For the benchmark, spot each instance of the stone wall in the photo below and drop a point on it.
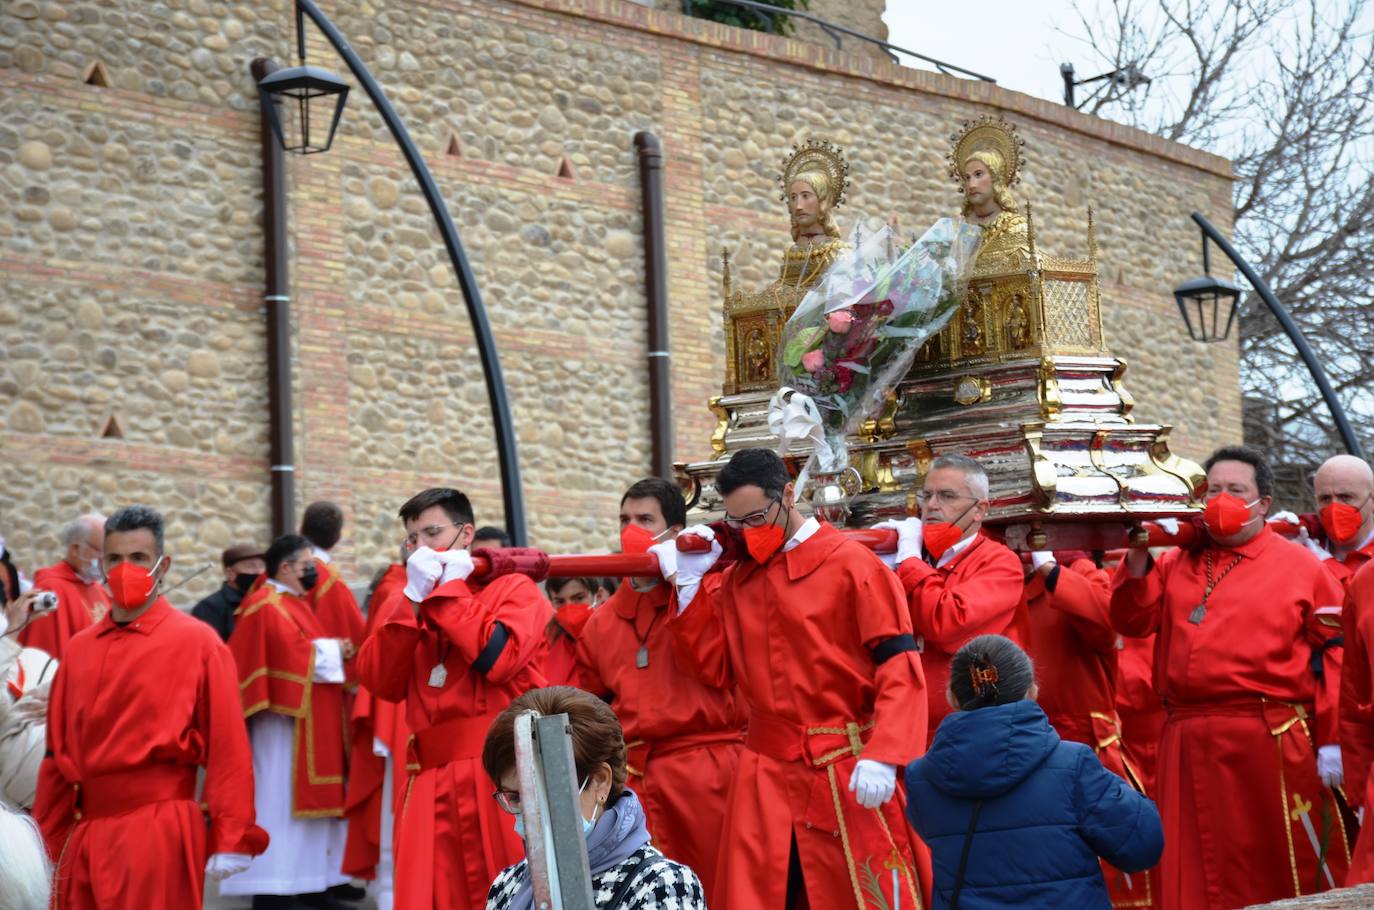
(131, 256)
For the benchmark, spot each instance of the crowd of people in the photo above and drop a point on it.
(782, 718)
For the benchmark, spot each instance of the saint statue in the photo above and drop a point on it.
(986, 162)
(813, 180)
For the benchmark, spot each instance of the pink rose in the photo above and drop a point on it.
(840, 321)
(813, 360)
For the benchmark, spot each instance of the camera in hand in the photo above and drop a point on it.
(45, 602)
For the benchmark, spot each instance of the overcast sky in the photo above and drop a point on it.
(1013, 41)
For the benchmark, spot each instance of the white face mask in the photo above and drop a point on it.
(587, 823)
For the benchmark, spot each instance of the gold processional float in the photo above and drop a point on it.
(1019, 377)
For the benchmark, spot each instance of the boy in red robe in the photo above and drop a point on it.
(683, 737)
(141, 700)
(959, 583)
(81, 599)
(291, 687)
(573, 601)
(457, 655)
(1238, 621)
(815, 633)
(333, 603)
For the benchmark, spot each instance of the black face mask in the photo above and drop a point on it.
(308, 578)
(244, 580)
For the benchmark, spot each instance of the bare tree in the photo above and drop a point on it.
(1286, 89)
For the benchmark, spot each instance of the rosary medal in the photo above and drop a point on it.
(1198, 613)
(642, 658)
(438, 676)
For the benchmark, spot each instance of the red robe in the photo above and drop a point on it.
(451, 836)
(272, 647)
(133, 712)
(1075, 668)
(80, 604)
(373, 718)
(684, 738)
(560, 666)
(338, 614)
(1357, 714)
(1246, 820)
(794, 635)
(978, 592)
(1139, 707)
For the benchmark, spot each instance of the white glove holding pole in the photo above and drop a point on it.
(457, 565)
(223, 865)
(908, 537)
(692, 567)
(1329, 767)
(666, 554)
(1313, 547)
(1042, 558)
(873, 782)
(423, 571)
(1169, 525)
(1283, 516)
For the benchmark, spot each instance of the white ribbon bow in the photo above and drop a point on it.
(793, 418)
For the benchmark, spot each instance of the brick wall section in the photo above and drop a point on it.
(131, 256)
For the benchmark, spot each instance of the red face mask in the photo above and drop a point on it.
(635, 540)
(940, 537)
(763, 542)
(131, 585)
(1227, 515)
(1341, 522)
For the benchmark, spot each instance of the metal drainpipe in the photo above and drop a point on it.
(277, 299)
(656, 283)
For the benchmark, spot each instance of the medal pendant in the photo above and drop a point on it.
(642, 658)
(1197, 615)
(438, 676)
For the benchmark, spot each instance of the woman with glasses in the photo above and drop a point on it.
(628, 872)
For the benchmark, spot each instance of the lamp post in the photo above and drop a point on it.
(1204, 297)
(309, 91)
(1126, 78)
(1206, 293)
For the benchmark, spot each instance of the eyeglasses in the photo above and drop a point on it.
(753, 519)
(943, 497)
(509, 800)
(428, 533)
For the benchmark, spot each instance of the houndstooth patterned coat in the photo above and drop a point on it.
(660, 884)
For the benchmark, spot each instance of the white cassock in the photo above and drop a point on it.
(305, 854)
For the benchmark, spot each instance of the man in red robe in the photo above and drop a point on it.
(291, 689)
(332, 601)
(1138, 705)
(1076, 667)
(81, 600)
(377, 765)
(141, 700)
(683, 747)
(1357, 712)
(815, 633)
(1246, 817)
(457, 654)
(573, 600)
(959, 583)
(1341, 533)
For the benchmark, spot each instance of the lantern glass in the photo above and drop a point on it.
(1208, 307)
(305, 104)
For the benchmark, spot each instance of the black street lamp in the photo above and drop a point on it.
(1207, 297)
(309, 89)
(1295, 335)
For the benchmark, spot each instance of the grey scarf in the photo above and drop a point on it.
(619, 832)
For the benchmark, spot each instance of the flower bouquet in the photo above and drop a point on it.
(855, 334)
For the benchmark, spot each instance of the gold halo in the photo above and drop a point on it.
(988, 133)
(817, 155)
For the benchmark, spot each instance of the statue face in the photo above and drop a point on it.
(804, 206)
(978, 185)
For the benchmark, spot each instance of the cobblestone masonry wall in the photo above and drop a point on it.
(131, 255)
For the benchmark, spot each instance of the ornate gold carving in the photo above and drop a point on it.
(1018, 323)
(972, 389)
(1051, 401)
(1068, 315)
(722, 425)
(1118, 386)
(1190, 472)
(1044, 478)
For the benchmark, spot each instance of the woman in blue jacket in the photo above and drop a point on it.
(1013, 816)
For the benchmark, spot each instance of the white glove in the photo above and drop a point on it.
(1170, 525)
(1042, 558)
(1329, 766)
(692, 567)
(666, 553)
(223, 865)
(457, 565)
(873, 782)
(423, 571)
(908, 537)
(1316, 549)
(1283, 516)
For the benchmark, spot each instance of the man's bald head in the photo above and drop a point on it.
(1346, 470)
(84, 538)
(1347, 481)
